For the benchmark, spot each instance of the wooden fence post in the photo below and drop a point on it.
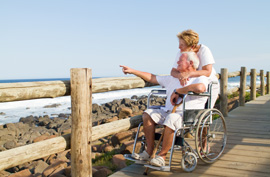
(268, 82)
(223, 91)
(253, 76)
(243, 81)
(262, 82)
(81, 131)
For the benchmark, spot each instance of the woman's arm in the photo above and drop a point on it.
(206, 71)
(175, 73)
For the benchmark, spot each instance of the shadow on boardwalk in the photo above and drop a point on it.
(247, 151)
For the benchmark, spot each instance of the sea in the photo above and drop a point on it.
(11, 112)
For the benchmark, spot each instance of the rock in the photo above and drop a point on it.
(52, 125)
(10, 126)
(61, 115)
(57, 175)
(121, 137)
(63, 127)
(59, 172)
(10, 144)
(2, 113)
(102, 147)
(108, 149)
(23, 173)
(95, 108)
(58, 165)
(64, 132)
(142, 107)
(114, 108)
(119, 160)
(52, 106)
(2, 149)
(51, 158)
(63, 156)
(68, 171)
(41, 166)
(28, 120)
(22, 127)
(124, 113)
(41, 138)
(135, 108)
(111, 119)
(94, 170)
(126, 102)
(6, 135)
(127, 147)
(135, 97)
(44, 121)
(95, 148)
(4, 173)
(100, 173)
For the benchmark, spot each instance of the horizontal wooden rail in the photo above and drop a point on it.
(52, 89)
(27, 153)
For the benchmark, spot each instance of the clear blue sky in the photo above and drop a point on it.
(45, 38)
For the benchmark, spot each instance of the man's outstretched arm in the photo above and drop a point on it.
(144, 75)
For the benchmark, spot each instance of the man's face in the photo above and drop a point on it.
(182, 63)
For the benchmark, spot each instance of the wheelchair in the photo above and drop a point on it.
(207, 125)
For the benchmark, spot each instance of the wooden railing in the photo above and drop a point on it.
(224, 92)
(81, 85)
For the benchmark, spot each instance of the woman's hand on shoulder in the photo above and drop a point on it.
(183, 78)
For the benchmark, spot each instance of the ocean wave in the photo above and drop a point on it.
(13, 111)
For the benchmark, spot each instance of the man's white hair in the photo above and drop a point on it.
(192, 56)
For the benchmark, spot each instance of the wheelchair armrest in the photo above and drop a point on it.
(155, 92)
(199, 94)
(158, 92)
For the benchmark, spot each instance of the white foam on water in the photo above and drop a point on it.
(13, 111)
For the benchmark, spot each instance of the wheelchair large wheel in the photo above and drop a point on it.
(211, 135)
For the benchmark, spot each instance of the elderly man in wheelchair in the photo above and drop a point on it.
(172, 121)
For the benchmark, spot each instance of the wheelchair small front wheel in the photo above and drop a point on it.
(189, 162)
(211, 135)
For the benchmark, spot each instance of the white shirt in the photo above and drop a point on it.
(206, 58)
(192, 102)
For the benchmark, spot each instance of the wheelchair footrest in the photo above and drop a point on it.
(128, 157)
(163, 168)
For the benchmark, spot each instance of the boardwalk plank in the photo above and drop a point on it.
(247, 151)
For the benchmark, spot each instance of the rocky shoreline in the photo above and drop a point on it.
(33, 129)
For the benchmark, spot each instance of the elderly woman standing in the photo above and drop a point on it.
(188, 41)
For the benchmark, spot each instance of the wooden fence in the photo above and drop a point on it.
(83, 134)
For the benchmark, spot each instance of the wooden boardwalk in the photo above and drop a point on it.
(247, 152)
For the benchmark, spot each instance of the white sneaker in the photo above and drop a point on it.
(158, 161)
(142, 156)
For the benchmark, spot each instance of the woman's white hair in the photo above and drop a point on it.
(192, 56)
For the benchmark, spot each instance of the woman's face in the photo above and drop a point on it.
(183, 46)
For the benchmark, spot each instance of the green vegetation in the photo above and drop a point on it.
(247, 97)
(236, 94)
(105, 160)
